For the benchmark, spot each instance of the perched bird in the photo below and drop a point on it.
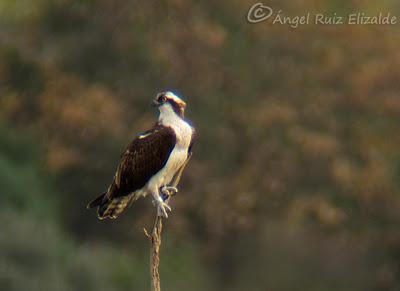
(151, 161)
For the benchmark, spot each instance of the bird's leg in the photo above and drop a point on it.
(162, 207)
(167, 191)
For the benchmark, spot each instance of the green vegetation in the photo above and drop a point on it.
(294, 184)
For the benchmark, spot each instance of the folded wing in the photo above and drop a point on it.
(145, 156)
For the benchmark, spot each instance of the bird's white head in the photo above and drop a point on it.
(168, 103)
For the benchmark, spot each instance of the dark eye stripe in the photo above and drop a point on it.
(162, 98)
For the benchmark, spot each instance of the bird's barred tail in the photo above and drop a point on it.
(109, 207)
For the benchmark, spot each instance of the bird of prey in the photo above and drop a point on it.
(151, 161)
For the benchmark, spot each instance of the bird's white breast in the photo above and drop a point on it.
(183, 132)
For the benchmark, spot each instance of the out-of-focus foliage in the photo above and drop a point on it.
(19, 167)
(36, 255)
(294, 184)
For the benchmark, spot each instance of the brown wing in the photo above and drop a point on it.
(192, 141)
(144, 157)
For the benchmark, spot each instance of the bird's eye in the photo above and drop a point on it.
(162, 99)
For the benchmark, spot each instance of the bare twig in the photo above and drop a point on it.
(155, 238)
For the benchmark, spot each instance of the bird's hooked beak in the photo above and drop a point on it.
(155, 103)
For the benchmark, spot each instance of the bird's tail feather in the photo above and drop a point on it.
(112, 208)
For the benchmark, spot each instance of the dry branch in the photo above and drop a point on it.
(155, 238)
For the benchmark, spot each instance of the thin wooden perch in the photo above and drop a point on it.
(155, 237)
(155, 240)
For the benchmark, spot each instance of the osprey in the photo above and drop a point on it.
(151, 161)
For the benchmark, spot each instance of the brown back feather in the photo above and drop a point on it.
(143, 158)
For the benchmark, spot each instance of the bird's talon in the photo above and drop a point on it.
(162, 208)
(169, 190)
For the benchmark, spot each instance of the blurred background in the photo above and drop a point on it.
(294, 183)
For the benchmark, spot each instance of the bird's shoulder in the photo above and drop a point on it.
(158, 135)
